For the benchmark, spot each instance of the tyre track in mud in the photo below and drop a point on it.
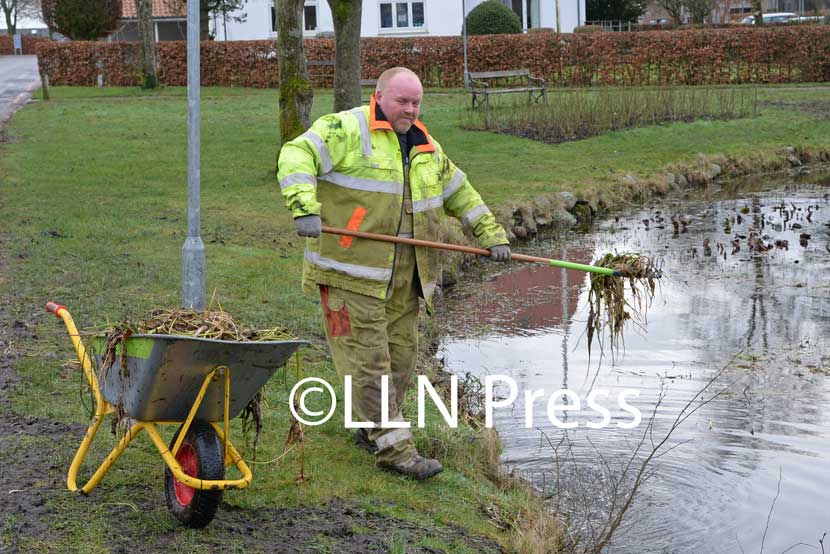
(30, 473)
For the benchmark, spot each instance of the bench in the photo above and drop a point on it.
(485, 83)
(324, 70)
(368, 83)
(320, 71)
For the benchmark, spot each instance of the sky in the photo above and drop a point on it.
(23, 23)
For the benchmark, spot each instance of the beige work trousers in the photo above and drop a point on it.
(368, 338)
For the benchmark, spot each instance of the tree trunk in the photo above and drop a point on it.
(295, 87)
(558, 13)
(11, 22)
(44, 81)
(346, 15)
(146, 33)
(676, 16)
(204, 20)
(758, 12)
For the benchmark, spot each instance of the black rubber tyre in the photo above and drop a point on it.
(201, 455)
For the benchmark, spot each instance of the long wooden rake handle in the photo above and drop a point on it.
(470, 250)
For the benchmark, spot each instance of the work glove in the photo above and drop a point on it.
(500, 253)
(308, 225)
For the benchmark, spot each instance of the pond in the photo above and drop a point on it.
(746, 290)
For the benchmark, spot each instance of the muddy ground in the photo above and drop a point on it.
(36, 506)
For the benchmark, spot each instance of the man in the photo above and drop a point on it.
(377, 169)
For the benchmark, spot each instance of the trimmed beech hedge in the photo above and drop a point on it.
(693, 57)
(30, 44)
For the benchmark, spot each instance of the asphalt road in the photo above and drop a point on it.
(18, 79)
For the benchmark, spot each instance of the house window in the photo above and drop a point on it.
(401, 15)
(309, 17)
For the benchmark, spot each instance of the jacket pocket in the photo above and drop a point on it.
(338, 322)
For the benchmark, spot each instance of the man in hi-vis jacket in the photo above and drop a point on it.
(376, 169)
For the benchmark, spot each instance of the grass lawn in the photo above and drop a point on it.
(93, 215)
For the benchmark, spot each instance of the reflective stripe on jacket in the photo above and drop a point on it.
(348, 169)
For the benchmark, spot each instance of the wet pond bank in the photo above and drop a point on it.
(747, 273)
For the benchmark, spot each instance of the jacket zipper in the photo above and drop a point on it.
(400, 219)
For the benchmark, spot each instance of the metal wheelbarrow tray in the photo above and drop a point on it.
(164, 374)
(180, 380)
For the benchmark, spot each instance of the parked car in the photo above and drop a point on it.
(817, 19)
(775, 17)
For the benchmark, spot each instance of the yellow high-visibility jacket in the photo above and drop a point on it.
(348, 170)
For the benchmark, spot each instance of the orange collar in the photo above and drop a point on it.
(423, 140)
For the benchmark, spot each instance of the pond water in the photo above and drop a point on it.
(749, 470)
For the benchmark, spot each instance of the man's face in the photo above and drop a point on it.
(401, 101)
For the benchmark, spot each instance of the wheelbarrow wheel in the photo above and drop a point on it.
(200, 455)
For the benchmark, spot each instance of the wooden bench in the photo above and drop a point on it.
(364, 83)
(321, 71)
(485, 83)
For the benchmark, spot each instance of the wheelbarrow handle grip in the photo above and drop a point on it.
(54, 307)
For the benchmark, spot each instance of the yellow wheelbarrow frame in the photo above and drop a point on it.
(103, 408)
(276, 352)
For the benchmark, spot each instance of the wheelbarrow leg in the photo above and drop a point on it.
(102, 408)
(108, 461)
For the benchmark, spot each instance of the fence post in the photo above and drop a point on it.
(44, 82)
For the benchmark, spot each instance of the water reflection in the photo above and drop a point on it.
(553, 303)
(741, 278)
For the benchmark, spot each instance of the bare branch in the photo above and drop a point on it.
(797, 544)
(769, 515)
(739, 543)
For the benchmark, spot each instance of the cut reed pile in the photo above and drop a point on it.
(210, 324)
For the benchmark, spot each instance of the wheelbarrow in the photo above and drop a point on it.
(185, 381)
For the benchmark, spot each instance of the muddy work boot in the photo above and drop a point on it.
(361, 438)
(417, 467)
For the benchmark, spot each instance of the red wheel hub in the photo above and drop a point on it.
(187, 459)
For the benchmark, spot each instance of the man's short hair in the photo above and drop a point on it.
(387, 76)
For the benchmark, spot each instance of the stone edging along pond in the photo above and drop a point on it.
(563, 210)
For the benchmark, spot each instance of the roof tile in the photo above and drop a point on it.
(161, 8)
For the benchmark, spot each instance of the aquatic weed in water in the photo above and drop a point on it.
(608, 308)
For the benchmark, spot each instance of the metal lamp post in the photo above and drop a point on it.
(464, 34)
(193, 251)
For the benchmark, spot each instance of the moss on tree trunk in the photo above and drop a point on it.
(296, 94)
(144, 14)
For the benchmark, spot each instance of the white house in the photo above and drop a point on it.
(26, 25)
(390, 18)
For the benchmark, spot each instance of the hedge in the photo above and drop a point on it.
(30, 44)
(696, 57)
